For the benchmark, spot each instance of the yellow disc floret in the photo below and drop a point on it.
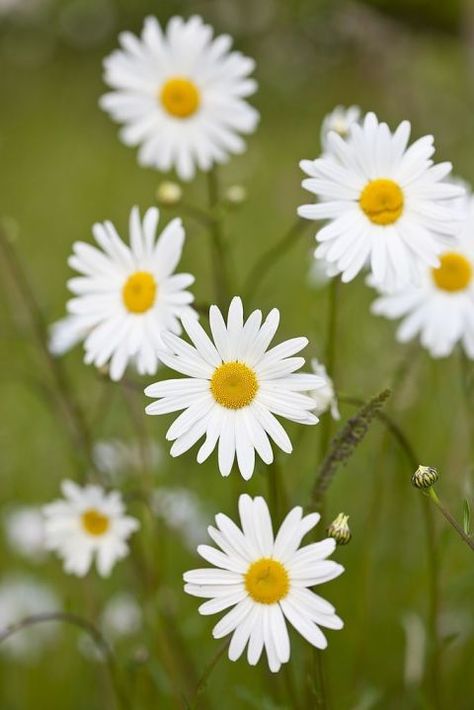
(94, 522)
(234, 385)
(454, 272)
(267, 581)
(139, 292)
(382, 201)
(180, 97)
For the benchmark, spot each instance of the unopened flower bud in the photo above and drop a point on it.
(339, 529)
(424, 477)
(169, 193)
(235, 194)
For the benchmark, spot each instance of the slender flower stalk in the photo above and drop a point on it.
(79, 430)
(203, 680)
(270, 257)
(92, 631)
(451, 520)
(219, 251)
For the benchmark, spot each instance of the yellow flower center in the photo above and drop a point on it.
(139, 292)
(94, 522)
(234, 385)
(382, 201)
(454, 272)
(180, 97)
(266, 580)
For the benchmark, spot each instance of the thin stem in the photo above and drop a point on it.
(89, 628)
(451, 520)
(81, 434)
(219, 256)
(269, 258)
(202, 683)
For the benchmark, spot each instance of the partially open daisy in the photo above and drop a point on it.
(88, 524)
(387, 205)
(441, 310)
(339, 120)
(265, 579)
(325, 396)
(233, 389)
(126, 296)
(180, 95)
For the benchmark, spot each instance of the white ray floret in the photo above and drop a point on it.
(266, 580)
(126, 296)
(441, 310)
(88, 525)
(387, 206)
(180, 95)
(234, 387)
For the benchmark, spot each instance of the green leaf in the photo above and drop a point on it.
(467, 517)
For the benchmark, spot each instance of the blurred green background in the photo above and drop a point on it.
(62, 168)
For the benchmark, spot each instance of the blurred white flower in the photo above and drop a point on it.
(181, 511)
(441, 310)
(340, 121)
(169, 193)
(233, 388)
(265, 580)
(127, 296)
(22, 596)
(386, 205)
(180, 94)
(415, 647)
(324, 396)
(121, 617)
(117, 459)
(24, 529)
(88, 524)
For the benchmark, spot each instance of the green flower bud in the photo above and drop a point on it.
(339, 530)
(424, 477)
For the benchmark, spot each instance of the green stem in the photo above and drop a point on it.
(202, 683)
(451, 520)
(91, 630)
(219, 255)
(80, 431)
(270, 257)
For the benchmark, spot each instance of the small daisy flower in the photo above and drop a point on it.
(234, 387)
(387, 205)
(340, 121)
(180, 94)
(88, 524)
(127, 296)
(441, 310)
(325, 396)
(122, 616)
(266, 580)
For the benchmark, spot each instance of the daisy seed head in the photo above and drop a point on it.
(424, 477)
(339, 530)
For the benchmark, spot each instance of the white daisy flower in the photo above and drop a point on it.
(233, 389)
(340, 121)
(325, 396)
(127, 296)
(181, 510)
(180, 95)
(88, 524)
(24, 528)
(122, 616)
(22, 596)
(387, 205)
(265, 580)
(441, 310)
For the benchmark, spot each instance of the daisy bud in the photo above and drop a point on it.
(339, 529)
(424, 477)
(235, 195)
(169, 193)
